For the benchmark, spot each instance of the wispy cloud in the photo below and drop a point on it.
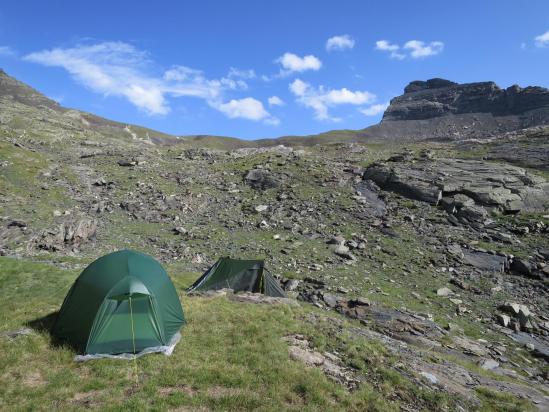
(243, 74)
(542, 40)
(393, 49)
(341, 42)
(374, 109)
(415, 49)
(421, 49)
(292, 63)
(7, 51)
(119, 69)
(320, 99)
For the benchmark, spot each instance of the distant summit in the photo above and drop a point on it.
(435, 83)
(14, 90)
(440, 108)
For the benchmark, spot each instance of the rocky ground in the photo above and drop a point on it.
(439, 251)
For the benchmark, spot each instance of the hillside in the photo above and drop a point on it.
(418, 271)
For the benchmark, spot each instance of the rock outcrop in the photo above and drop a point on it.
(463, 187)
(439, 108)
(68, 234)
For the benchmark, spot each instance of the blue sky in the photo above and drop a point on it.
(255, 69)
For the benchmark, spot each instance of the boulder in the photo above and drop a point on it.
(68, 233)
(488, 364)
(291, 285)
(485, 261)
(261, 179)
(444, 291)
(310, 358)
(521, 267)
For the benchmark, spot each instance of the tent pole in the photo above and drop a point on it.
(133, 342)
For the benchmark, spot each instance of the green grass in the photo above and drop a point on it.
(231, 357)
(493, 401)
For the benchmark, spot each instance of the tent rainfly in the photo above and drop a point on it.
(123, 302)
(240, 276)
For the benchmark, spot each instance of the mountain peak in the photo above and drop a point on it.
(14, 90)
(435, 83)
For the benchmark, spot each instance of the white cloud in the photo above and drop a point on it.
(275, 101)
(421, 49)
(111, 68)
(119, 69)
(374, 109)
(7, 51)
(293, 63)
(243, 74)
(387, 46)
(542, 40)
(248, 108)
(298, 87)
(340, 42)
(416, 48)
(321, 99)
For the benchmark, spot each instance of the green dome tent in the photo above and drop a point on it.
(239, 275)
(123, 302)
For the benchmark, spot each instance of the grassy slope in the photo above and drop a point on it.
(231, 357)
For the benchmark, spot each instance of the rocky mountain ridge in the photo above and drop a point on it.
(436, 109)
(438, 97)
(439, 108)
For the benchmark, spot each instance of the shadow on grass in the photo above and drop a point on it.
(45, 324)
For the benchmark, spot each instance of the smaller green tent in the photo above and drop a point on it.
(123, 302)
(240, 276)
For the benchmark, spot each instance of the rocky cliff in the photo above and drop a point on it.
(439, 108)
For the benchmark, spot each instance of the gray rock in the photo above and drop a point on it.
(541, 348)
(455, 250)
(127, 163)
(373, 205)
(331, 300)
(310, 358)
(485, 261)
(68, 233)
(444, 292)
(259, 298)
(495, 185)
(343, 251)
(180, 230)
(291, 285)
(429, 376)
(361, 301)
(469, 346)
(17, 223)
(336, 240)
(489, 364)
(261, 179)
(521, 267)
(503, 320)
(13, 334)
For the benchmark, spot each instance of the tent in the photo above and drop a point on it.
(123, 302)
(239, 275)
